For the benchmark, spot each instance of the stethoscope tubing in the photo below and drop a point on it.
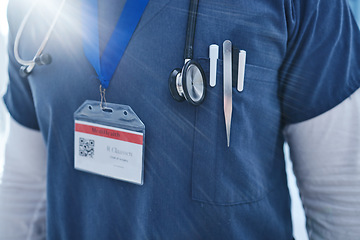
(31, 63)
(190, 30)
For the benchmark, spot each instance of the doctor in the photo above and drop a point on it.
(302, 66)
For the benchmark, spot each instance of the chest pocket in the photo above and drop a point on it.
(238, 174)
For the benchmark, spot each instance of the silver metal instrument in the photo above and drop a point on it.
(227, 67)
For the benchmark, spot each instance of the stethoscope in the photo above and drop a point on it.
(189, 83)
(39, 59)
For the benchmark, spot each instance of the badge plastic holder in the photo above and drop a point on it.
(109, 141)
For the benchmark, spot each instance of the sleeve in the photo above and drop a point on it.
(355, 6)
(18, 97)
(325, 152)
(23, 185)
(322, 63)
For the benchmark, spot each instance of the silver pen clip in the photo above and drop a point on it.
(227, 49)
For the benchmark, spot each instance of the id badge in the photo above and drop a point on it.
(109, 141)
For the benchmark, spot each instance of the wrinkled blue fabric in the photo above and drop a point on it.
(302, 60)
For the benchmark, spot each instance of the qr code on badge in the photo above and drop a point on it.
(86, 147)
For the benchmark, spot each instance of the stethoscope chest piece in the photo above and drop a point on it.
(188, 83)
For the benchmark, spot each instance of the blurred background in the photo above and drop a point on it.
(298, 216)
(355, 6)
(3, 78)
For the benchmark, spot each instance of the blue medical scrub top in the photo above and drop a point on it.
(302, 60)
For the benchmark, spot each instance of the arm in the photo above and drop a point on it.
(325, 152)
(23, 185)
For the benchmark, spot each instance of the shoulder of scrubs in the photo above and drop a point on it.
(325, 152)
(322, 65)
(23, 185)
(18, 98)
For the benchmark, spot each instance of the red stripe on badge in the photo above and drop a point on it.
(109, 133)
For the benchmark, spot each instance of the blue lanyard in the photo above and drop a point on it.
(106, 65)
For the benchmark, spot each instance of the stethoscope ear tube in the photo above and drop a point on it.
(23, 71)
(43, 59)
(39, 58)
